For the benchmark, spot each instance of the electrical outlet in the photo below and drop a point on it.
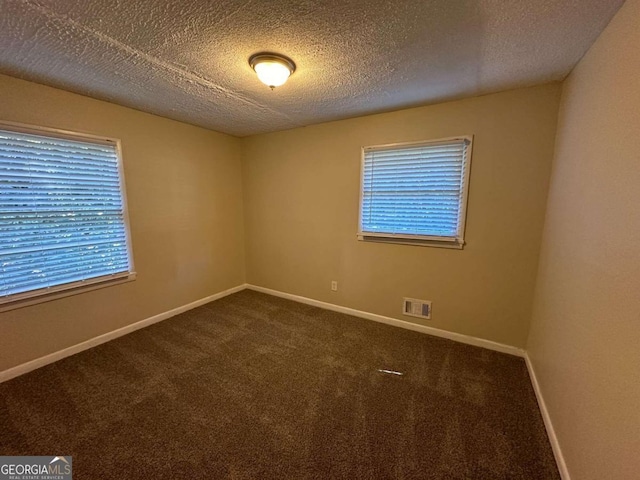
(334, 285)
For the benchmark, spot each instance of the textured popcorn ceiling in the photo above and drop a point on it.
(187, 59)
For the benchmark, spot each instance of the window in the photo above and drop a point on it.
(63, 214)
(415, 193)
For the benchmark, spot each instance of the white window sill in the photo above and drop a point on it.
(418, 242)
(62, 291)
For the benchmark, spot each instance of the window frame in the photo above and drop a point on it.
(32, 297)
(456, 242)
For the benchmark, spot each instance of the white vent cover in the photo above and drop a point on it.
(417, 308)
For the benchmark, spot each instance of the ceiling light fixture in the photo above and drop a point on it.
(273, 70)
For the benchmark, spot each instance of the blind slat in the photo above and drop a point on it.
(62, 218)
(414, 190)
(55, 144)
(79, 268)
(65, 178)
(59, 278)
(33, 260)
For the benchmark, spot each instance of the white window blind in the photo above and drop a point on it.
(415, 192)
(63, 217)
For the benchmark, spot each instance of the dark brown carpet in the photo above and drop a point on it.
(254, 386)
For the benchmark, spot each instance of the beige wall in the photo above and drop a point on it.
(185, 206)
(185, 191)
(585, 335)
(301, 192)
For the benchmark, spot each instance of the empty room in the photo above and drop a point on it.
(319, 239)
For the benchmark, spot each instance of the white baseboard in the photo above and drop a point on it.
(456, 337)
(59, 355)
(53, 357)
(553, 439)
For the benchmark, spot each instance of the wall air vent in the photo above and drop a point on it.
(417, 308)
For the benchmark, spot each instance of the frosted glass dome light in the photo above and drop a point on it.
(272, 70)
